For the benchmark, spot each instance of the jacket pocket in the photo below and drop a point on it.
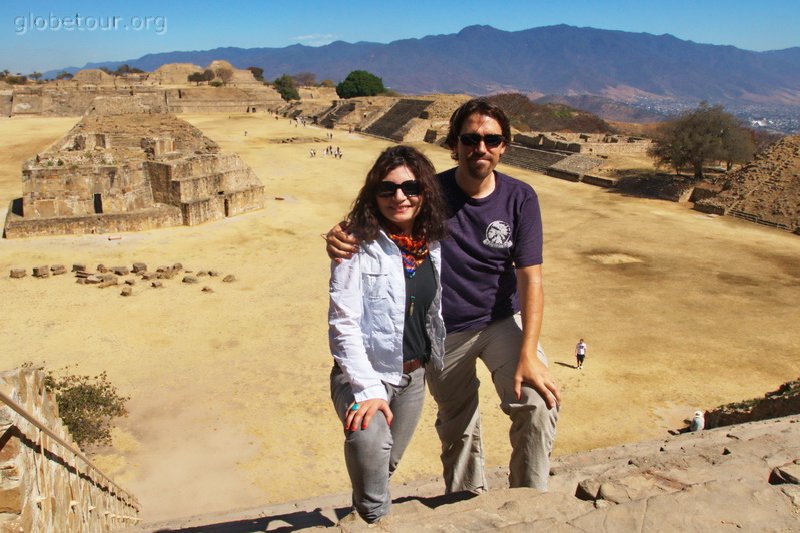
(375, 286)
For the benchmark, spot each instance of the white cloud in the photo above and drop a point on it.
(316, 39)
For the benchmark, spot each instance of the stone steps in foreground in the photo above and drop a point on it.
(736, 478)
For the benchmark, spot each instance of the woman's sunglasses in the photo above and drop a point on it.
(491, 140)
(387, 189)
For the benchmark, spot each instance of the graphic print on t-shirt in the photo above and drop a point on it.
(498, 235)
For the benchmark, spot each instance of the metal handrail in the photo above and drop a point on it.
(30, 418)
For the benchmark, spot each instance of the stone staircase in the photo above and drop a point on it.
(530, 158)
(736, 478)
(393, 121)
(336, 114)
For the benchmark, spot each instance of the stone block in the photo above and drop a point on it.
(588, 490)
(79, 267)
(789, 473)
(93, 279)
(190, 279)
(17, 273)
(57, 270)
(229, 278)
(207, 289)
(139, 268)
(102, 268)
(9, 451)
(213, 273)
(156, 284)
(11, 499)
(108, 282)
(147, 276)
(120, 270)
(126, 291)
(130, 282)
(41, 271)
(202, 273)
(177, 267)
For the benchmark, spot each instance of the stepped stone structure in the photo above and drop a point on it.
(44, 485)
(404, 121)
(766, 191)
(128, 166)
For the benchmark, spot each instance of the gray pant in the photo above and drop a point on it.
(458, 422)
(372, 454)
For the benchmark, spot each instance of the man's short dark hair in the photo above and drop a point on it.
(482, 106)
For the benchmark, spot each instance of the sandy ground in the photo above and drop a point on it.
(229, 392)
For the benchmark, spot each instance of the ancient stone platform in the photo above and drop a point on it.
(736, 478)
(128, 165)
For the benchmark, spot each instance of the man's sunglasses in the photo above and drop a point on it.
(387, 189)
(491, 140)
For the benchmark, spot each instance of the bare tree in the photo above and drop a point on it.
(225, 74)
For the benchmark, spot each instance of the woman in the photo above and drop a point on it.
(385, 320)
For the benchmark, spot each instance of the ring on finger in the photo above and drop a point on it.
(355, 407)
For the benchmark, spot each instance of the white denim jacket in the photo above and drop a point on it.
(366, 316)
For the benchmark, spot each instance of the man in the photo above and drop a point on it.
(492, 306)
(580, 353)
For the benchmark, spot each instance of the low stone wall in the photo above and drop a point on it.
(44, 486)
(240, 202)
(158, 217)
(212, 208)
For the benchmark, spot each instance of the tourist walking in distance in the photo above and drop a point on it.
(385, 320)
(580, 353)
(492, 307)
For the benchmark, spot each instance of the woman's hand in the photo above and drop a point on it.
(340, 244)
(359, 414)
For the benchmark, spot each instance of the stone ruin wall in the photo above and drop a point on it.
(44, 486)
(161, 216)
(74, 98)
(584, 143)
(72, 191)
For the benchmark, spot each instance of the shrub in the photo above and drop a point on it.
(87, 405)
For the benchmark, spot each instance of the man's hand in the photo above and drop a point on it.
(533, 372)
(361, 417)
(340, 244)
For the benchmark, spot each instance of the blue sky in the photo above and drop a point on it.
(38, 35)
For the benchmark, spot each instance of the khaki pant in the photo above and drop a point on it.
(458, 422)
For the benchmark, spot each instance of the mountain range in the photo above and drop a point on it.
(560, 60)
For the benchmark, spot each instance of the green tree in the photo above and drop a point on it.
(327, 83)
(127, 69)
(63, 75)
(703, 135)
(258, 73)
(360, 83)
(197, 77)
(35, 75)
(286, 87)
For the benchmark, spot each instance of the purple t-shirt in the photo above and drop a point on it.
(488, 238)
